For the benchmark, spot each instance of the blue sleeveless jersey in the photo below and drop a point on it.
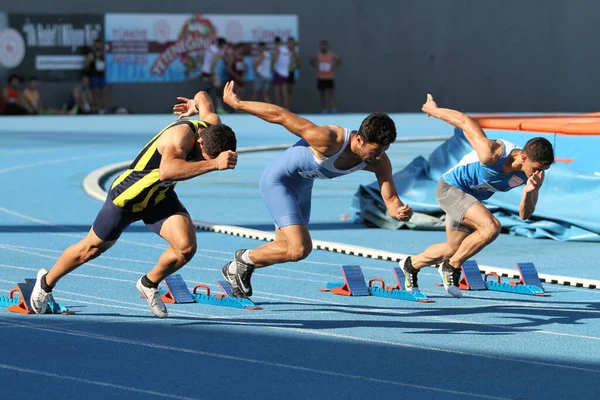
(482, 181)
(299, 163)
(286, 183)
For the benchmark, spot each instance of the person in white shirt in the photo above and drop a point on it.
(281, 72)
(263, 75)
(211, 81)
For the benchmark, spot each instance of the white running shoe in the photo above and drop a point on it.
(157, 306)
(40, 299)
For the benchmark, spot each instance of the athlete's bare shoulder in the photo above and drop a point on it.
(180, 134)
(337, 133)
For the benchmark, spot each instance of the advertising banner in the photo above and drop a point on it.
(51, 47)
(170, 48)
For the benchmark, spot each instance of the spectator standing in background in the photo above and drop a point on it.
(237, 68)
(326, 61)
(281, 73)
(294, 66)
(263, 75)
(95, 68)
(211, 81)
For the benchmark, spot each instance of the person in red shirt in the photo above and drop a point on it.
(326, 61)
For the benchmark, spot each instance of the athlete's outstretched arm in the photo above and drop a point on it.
(173, 164)
(201, 105)
(486, 149)
(383, 171)
(321, 138)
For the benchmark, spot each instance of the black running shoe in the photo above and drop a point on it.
(235, 290)
(238, 274)
(410, 275)
(450, 278)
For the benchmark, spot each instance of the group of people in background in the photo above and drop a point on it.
(89, 96)
(275, 70)
(270, 76)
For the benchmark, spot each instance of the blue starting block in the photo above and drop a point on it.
(529, 283)
(355, 285)
(224, 299)
(176, 291)
(18, 300)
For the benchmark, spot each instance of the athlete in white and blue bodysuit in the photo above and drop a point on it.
(324, 152)
(493, 166)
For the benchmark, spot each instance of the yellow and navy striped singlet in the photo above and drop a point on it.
(139, 186)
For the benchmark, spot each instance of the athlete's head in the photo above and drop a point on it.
(324, 46)
(262, 47)
(537, 155)
(216, 139)
(277, 41)
(221, 42)
(374, 137)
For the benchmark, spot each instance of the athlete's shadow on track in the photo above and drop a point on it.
(505, 319)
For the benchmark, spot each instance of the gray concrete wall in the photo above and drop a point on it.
(474, 55)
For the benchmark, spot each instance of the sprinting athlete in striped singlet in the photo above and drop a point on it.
(145, 191)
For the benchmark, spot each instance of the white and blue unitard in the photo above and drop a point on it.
(286, 184)
(482, 181)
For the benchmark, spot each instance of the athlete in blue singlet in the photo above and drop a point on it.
(493, 166)
(324, 152)
(146, 192)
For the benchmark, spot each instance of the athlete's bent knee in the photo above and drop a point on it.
(491, 230)
(186, 253)
(299, 253)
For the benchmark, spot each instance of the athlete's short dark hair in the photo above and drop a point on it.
(378, 128)
(539, 149)
(217, 139)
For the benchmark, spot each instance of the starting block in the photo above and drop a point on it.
(18, 299)
(355, 285)
(176, 291)
(224, 299)
(529, 283)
